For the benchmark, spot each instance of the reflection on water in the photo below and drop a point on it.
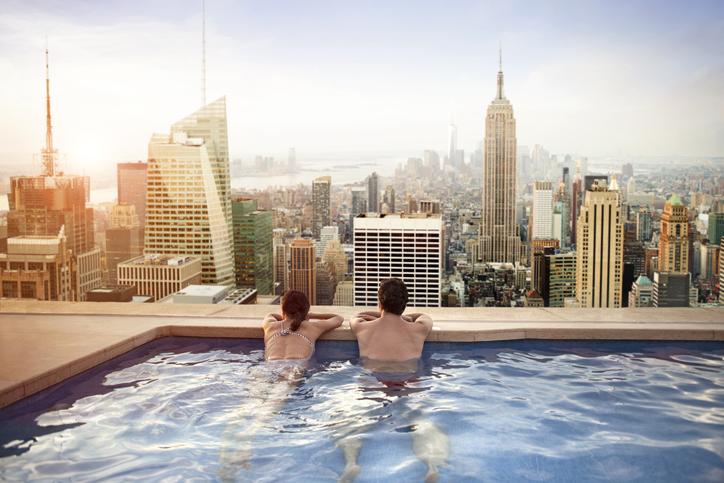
(504, 411)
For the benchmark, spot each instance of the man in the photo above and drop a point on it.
(390, 345)
(388, 335)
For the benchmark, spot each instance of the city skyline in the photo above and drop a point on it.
(648, 81)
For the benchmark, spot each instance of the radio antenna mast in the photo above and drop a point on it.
(203, 52)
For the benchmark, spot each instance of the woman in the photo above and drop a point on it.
(289, 343)
(291, 335)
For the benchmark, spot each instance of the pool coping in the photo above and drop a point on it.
(68, 338)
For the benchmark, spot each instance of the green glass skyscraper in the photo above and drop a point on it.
(253, 255)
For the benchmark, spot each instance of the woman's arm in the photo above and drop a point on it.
(326, 322)
(269, 318)
(316, 316)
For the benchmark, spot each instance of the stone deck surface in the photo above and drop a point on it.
(44, 343)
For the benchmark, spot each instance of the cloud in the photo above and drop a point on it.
(116, 82)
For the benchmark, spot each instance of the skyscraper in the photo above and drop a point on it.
(132, 187)
(303, 274)
(671, 289)
(715, 228)
(209, 124)
(561, 270)
(674, 240)
(359, 206)
(87, 272)
(124, 238)
(335, 256)
(542, 210)
(328, 234)
(359, 201)
(452, 146)
(41, 205)
(576, 201)
(431, 207)
(599, 249)
(253, 252)
(389, 198)
(281, 265)
(188, 208)
(45, 205)
(408, 247)
(499, 239)
(373, 194)
(326, 283)
(321, 215)
(644, 225)
(37, 267)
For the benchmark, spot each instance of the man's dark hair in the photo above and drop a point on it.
(392, 295)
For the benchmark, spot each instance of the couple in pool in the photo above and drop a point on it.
(390, 345)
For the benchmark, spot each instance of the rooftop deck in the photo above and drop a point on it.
(43, 343)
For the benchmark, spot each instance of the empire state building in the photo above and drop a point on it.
(499, 239)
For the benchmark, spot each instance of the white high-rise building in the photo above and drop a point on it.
(188, 204)
(404, 246)
(542, 210)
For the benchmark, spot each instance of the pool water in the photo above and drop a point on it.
(181, 409)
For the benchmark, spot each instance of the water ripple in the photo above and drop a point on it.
(195, 410)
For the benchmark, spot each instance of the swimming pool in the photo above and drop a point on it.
(183, 408)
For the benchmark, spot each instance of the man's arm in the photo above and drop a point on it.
(361, 318)
(423, 319)
(375, 314)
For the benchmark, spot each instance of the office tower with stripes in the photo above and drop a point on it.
(404, 246)
(188, 207)
(303, 273)
(599, 249)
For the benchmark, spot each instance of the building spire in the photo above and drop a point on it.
(500, 56)
(49, 154)
(500, 72)
(203, 52)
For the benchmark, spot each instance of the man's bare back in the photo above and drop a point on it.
(390, 337)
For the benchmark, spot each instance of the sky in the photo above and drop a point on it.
(597, 78)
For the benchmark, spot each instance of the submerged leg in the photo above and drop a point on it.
(263, 403)
(350, 446)
(431, 446)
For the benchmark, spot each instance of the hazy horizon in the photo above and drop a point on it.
(641, 79)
